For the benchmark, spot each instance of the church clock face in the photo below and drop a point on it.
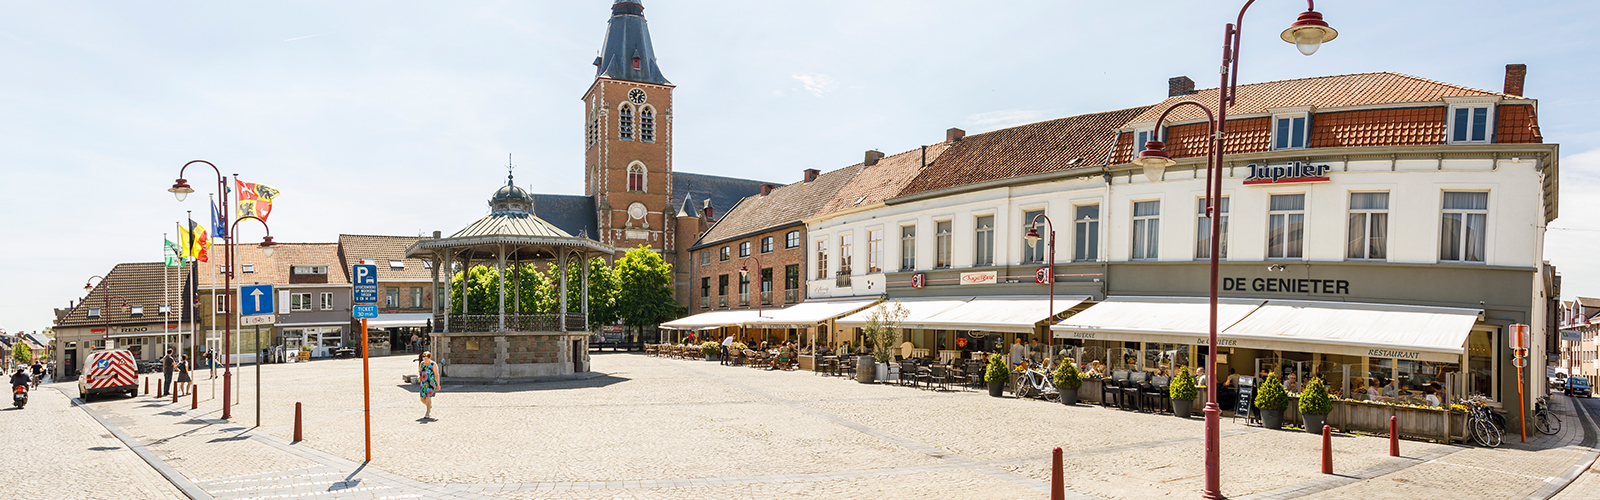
(636, 210)
(636, 96)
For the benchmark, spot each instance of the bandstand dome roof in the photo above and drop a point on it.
(512, 227)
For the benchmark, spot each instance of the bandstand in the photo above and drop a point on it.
(510, 345)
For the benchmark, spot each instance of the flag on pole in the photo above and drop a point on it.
(170, 253)
(194, 241)
(256, 199)
(185, 242)
(219, 228)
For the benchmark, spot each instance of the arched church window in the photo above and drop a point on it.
(647, 124)
(625, 122)
(636, 177)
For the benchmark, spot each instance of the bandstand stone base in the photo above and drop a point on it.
(512, 357)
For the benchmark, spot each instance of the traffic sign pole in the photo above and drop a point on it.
(258, 370)
(364, 292)
(366, 387)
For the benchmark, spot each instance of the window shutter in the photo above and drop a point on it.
(283, 302)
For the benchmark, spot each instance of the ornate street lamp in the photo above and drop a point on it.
(1308, 32)
(1050, 248)
(181, 189)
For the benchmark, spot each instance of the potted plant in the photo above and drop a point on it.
(1183, 393)
(883, 331)
(736, 351)
(1068, 381)
(997, 375)
(1315, 405)
(1271, 400)
(710, 349)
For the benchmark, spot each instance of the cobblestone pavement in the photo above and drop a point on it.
(51, 447)
(660, 428)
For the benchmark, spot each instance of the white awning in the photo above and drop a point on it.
(806, 314)
(1356, 329)
(1154, 319)
(398, 320)
(918, 311)
(711, 320)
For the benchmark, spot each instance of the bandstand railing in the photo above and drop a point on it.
(465, 323)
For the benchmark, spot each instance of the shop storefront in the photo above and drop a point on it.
(968, 327)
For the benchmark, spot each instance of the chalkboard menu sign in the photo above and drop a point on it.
(1247, 396)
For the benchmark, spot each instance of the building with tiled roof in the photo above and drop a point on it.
(142, 305)
(405, 285)
(313, 296)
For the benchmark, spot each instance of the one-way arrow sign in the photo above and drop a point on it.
(255, 299)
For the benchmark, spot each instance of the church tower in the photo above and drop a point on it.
(628, 137)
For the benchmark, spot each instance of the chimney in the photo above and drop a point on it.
(1179, 85)
(954, 134)
(811, 174)
(766, 189)
(708, 210)
(873, 156)
(1515, 74)
(436, 235)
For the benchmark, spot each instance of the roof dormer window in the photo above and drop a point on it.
(636, 62)
(136, 311)
(94, 312)
(1469, 124)
(400, 265)
(1289, 131)
(249, 268)
(166, 309)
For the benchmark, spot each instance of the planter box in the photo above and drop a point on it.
(1089, 392)
(808, 362)
(1414, 423)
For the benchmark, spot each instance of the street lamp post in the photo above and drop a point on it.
(1308, 32)
(266, 249)
(1050, 248)
(744, 274)
(181, 190)
(105, 311)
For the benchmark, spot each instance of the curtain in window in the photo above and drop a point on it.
(1146, 229)
(1086, 233)
(984, 253)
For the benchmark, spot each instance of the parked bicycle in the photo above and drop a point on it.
(1481, 425)
(1035, 383)
(1544, 419)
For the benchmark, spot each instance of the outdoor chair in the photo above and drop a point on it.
(1131, 389)
(975, 372)
(937, 375)
(908, 373)
(847, 366)
(1111, 388)
(1156, 397)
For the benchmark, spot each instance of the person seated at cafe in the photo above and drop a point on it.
(1431, 395)
(1291, 382)
(1097, 368)
(1373, 390)
(1438, 394)
(1389, 389)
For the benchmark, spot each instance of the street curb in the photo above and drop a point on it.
(1590, 436)
(183, 484)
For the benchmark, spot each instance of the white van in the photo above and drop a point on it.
(109, 372)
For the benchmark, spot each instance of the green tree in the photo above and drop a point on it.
(883, 329)
(644, 289)
(602, 293)
(483, 290)
(21, 353)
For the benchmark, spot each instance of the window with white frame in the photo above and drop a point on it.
(94, 312)
(941, 243)
(1202, 242)
(846, 242)
(1086, 233)
(983, 240)
(908, 248)
(416, 297)
(221, 302)
(248, 268)
(1461, 229)
(822, 258)
(1146, 230)
(299, 302)
(791, 239)
(766, 244)
(327, 300)
(397, 265)
(1286, 217)
(1289, 131)
(1469, 123)
(136, 311)
(1369, 226)
(705, 257)
(875, 250)
(1140, 137)
(165, 310)
(1033, 251)
(427, 264)
(304, 270)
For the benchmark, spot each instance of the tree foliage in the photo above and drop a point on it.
(1314, 400)
(1183, 386)
(883, 329)
(644, 289)
(536, 289)
(1272, 396)
(602, 293)
(21, 353)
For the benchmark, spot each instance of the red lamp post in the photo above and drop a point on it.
(181, 190)
(105, 311)
(1050, 248)
(1308, 32)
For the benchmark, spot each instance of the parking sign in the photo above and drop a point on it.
(364, 278)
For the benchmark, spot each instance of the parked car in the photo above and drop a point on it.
(1558, 384)
(1579, 387)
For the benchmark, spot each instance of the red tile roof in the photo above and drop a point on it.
(1073, 142)
(883, 180)
(1322, 92)
(784, 205)
(140, 284)
(1378, 127)
(1518, 124)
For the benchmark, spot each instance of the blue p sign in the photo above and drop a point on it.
(364, 278)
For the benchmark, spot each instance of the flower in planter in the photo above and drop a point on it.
(1067, 377)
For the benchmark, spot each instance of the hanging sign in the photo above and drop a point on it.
(979, 278)
(1041, 276)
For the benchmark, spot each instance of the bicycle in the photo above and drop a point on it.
(1480, 423)
(1544, 419)
(1035, 383)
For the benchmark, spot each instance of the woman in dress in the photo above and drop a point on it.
(428, 379)
(183, 375)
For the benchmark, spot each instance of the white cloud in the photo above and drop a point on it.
(817, 84)
(994, 120)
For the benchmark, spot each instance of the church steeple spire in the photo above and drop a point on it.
(626, 53)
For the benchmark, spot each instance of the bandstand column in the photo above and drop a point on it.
(435, 293)
(502, 253)
(583, 277)
(466, 275)
(563, 316)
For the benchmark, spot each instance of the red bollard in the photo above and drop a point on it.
(1327, 449)
(1394, 436)
(1057, 490)
(161, 391)
(147, 386)
(297, 422)
(174, 393)
(194, 402)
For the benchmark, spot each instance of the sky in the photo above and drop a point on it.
(396, 117)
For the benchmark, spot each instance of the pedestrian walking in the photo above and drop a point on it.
(167, 366)
(183, 375)
(211, 362)
(428, 380)
(416, 345)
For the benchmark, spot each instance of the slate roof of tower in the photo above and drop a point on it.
(723, 192)
(628, 36)
(574, 214)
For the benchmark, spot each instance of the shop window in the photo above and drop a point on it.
(1469, 124)
(1086, 233)
(1286, 216)
(1202, 243)
(1481, 364)
(1461, 231)
(1289, 132)
(1033, 251)
(791, 239)
(941, 240)
(822, 259)
(875, 250)
(1146, 230)
(1369, 226)
(983, 241)
(908, 248)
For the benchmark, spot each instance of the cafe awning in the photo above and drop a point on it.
(711, 320)
(1358, 329)
(918, 311)
(806, 314)
(399, 320)
(1000, 314)
(1154, 319)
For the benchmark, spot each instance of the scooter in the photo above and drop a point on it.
(19, 396)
